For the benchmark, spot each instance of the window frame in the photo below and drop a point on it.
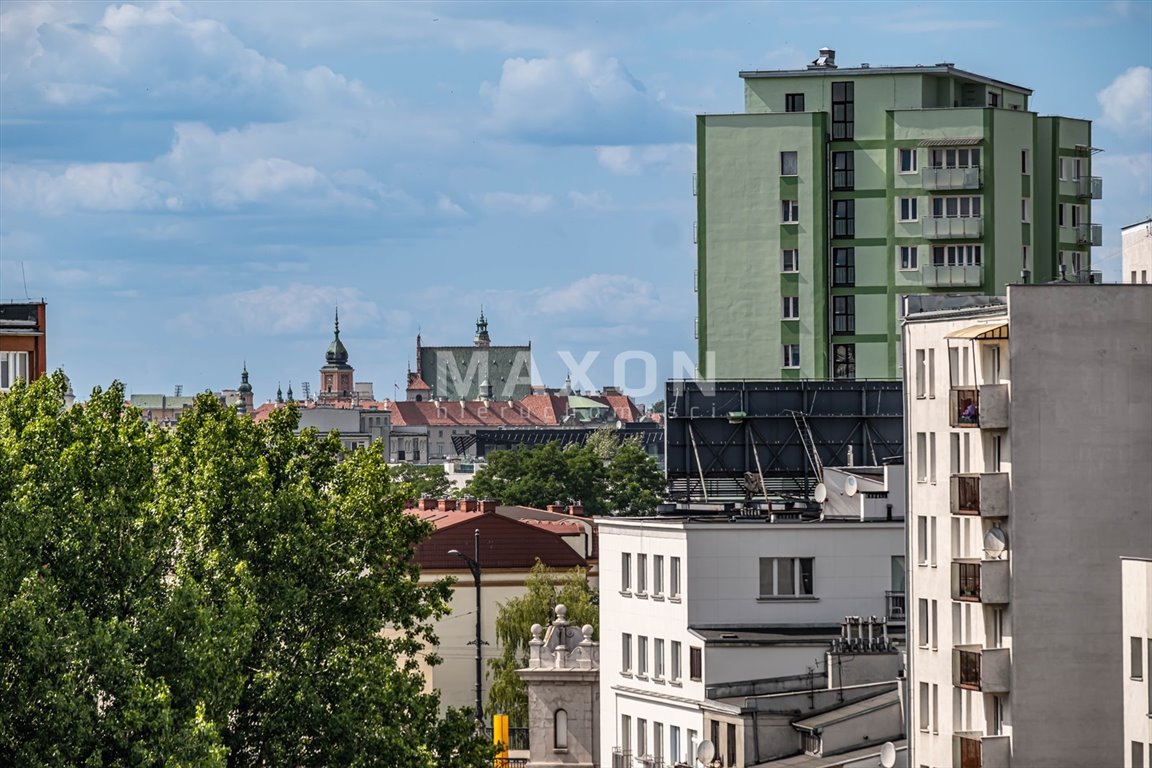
(791, 356)
(789, 307)
(560, 730)
(844, 178)
(784, 260)
(907, 258)
(657, 575)
(792, 101)
(14, 365)
(906, 168)
(789, 211)
(674, 578)
(958, 255)
(843, 110)
(695, 663)
(625, 571)
(641, 573)
(658, 658)
(801, 579)
(844, 267)
(793, 156)
(677, 663)
(641, 656)
(906, 206)
(844, 370)
(626, 653)
(844, 315)
(844, 219)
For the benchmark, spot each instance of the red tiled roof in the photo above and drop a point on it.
(468, 413)
(504, 542)
(626, 409)
(548, 408)
(415, 382)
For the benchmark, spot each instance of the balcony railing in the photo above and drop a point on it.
(972, 749)
(1090, 187)
(979, 669)
(1089, 234)
(509, 762)
(980, 494)
(944, 227)
(621, 758)
(964, 408)
(895, 607)
(937, 276)
(944, 179)
(980, 581)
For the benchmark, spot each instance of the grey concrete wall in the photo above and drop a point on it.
(578, 694)
(1081, 454)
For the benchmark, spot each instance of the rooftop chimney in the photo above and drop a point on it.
(488, 506)
(469, 504)
(446, 505)
(826, 60)
(576, 510)
(556, 508)
(426, 504)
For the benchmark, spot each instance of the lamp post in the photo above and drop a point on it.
(474, 566)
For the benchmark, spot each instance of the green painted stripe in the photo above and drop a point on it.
(859, 193)
(701, 251)
(851, 290)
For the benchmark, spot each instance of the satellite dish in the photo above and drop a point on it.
(706, 751)
(887, 754)
(820, 493)
(995, 542)
(850, 487)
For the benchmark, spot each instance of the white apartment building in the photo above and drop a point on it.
(1028, 426)
(1136, 596)
(1136, 252)
(690, 602)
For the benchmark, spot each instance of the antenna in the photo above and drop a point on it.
(995, 542)
(705, 752)
(307, 387)
(820, 493)
(179, 390)
(850, 486)
(887, 755)
(25, 278)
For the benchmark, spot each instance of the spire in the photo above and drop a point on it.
(279, 393)
(244, 387)
(337, 354)
(290, 397)
(482, 338)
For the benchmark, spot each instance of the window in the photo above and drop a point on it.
(674, 652)
(962, 157)
(922, 622)
(626, 733)
(843, 218)
(957, 207)
(1079, 168)
(13, 366)
(935, 708)
(843, 267)
(793, 102)
(843, 170)
(791, 355)
(731, 734)
(626, 653)
(658, 658)
(790, 260)
(921, 373)
(1024, 257)
(625, 571)
(789, 211)
(785, 576)
(1063, 169)
(641, 655)
(954, 453)
(1077, 215)
(932, 457)
(788, 163)
(921, 457)
(935, 627)
(791, 307)
(695, 663)
(957, 255)
(844, 361)
(642, 574)
(925, 712)
(1077, 262)
(922, 540)
(1137, 648)
(658, 743)
(658, 574)
(1137, 755)
(993, 99)
(909, 256)
(1025, 210)
(844, 314)
(1025, 162)
(560, 730)
(641, 736)
(674, 577)
(907, 161)
(1060, 219)
(843, 110)
(908, 209)
(674, 752)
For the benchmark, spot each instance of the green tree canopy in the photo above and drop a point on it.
(607, 475)
(544, 590)
(222, 593)
(422, 480)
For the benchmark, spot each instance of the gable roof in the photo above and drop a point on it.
(504, 542)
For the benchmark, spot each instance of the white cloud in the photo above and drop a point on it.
(519, 203)
(624, 160)
(94, 186)
(1127, 102)
(449, 207)
(602, 299)
(598, 200)
(582, 98)
(274, 310)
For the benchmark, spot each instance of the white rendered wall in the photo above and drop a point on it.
(1136, 245)
(1136, 594)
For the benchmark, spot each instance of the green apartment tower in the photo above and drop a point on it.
(839, 191)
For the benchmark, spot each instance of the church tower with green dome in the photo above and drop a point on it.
(336, 375)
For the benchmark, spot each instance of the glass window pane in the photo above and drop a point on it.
(786, 576)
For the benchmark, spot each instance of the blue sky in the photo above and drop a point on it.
(192, 185)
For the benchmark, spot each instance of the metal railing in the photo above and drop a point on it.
(895, 605)
(968, 494)
(621, 758)
(968, 669)
(967, 581)
(509, 762)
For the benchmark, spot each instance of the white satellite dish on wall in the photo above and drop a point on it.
(887, 754)
(706, 751)
(995, 542)
(850, 486)
(820, 493)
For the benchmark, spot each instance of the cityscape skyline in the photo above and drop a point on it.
(206, 184)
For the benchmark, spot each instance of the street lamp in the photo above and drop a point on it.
(474, 566)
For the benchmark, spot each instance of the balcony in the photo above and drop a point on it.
(942, 276)
(985, 406)
(947, 179)
(895, 607)
(980, 494)
(1090, 188)
(972, 749)
(987, 670)
(1089, 234)
(621, 758)
(980, 581)
(952, 228)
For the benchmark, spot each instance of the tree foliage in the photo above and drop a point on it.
(423, 480)
(607, 475)
(221, 593)
(544, 590)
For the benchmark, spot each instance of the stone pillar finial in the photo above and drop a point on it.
(534, 647)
